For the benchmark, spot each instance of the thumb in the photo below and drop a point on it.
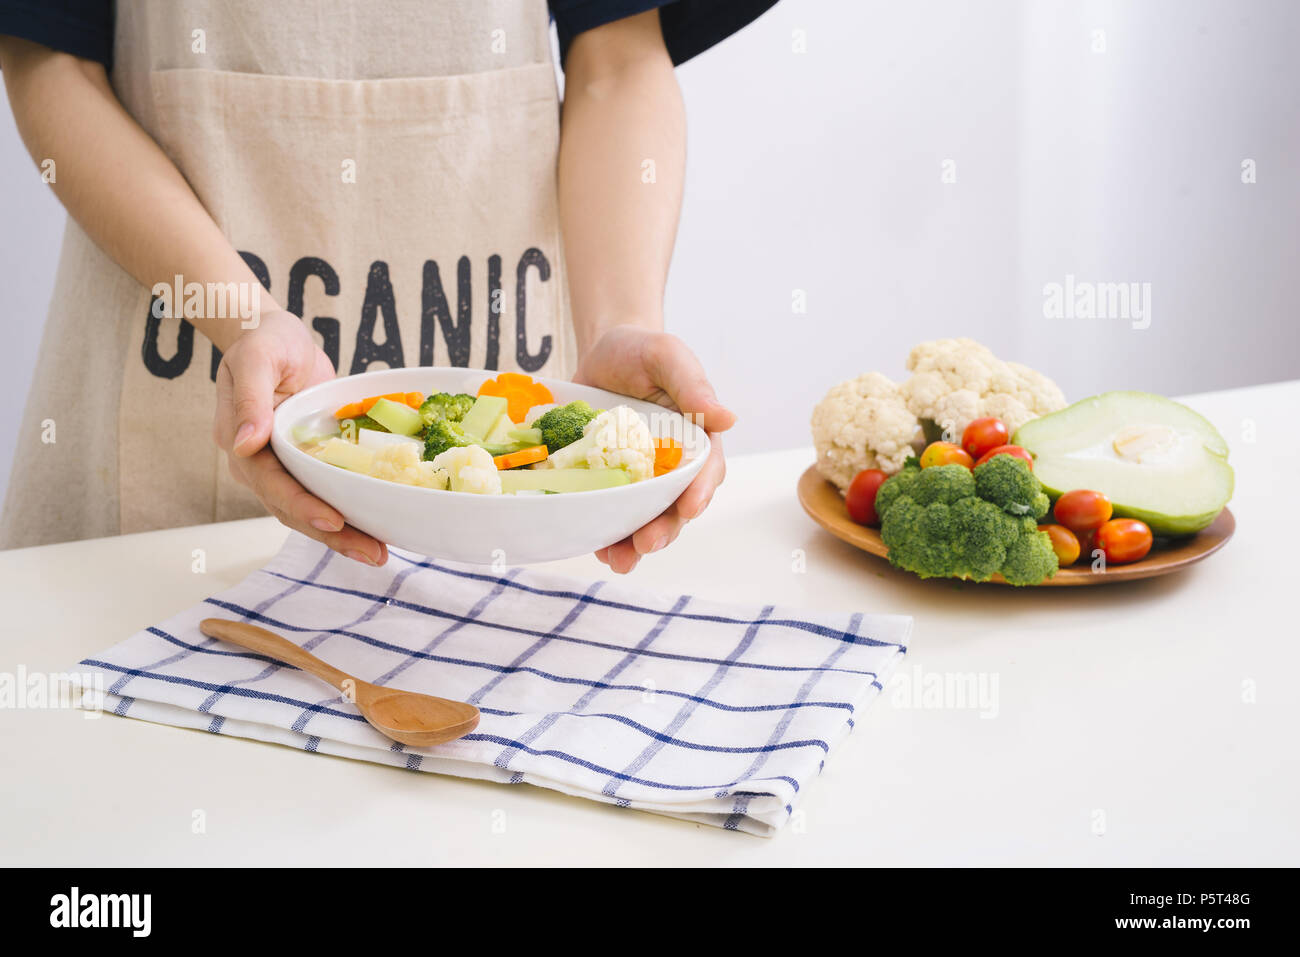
(249, 399)
(681, 376)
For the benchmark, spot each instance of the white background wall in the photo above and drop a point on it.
(821, 171)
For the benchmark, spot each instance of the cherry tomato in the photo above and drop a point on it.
(945, 453)
(1008, 450)
(1087, 544)
(1082, 510)
(983, 435)
(1123, 540)
(1064, 543)
(861, 496)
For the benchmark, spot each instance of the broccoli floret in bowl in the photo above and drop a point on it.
(563, 425)
(445, 405)
(442, 435)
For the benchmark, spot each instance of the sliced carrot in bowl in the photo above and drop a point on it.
(520, 392)
(354, 409)
(512, 460)
(668, 455)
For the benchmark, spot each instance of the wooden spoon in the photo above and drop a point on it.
(419, 720)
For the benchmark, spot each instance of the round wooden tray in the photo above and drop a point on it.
(822, 500)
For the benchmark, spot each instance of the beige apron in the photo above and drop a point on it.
(388, 172)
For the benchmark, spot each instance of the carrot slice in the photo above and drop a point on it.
(354, 409)
(512, 460)
(668, 455)
(520, 392)
(517, 405)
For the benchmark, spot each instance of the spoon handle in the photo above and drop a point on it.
(272, 645)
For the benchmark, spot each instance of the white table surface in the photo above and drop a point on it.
(1147, 723)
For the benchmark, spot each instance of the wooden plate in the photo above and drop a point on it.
(822, 500)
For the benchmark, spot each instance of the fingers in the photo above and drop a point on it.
(250, 373)
(246, 384)
(676, 370)
(692, 502)
(622, 557)
(664, 529)
(297, 508)
(658, 532)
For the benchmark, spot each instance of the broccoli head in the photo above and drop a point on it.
(937, 524)
(984, 531)
(563, 425)
(920, 537)
(943, 483)
(442, 435)
(900, 483)
(1007, 482)
(1030, 559)
(445, 405)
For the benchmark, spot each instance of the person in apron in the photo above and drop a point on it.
(336, 186)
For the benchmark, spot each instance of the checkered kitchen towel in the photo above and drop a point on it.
(668, 703)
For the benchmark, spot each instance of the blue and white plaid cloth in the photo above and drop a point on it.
(714, 713)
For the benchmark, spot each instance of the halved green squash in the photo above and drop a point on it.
(1155, 459)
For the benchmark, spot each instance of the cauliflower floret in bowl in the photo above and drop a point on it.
(617, 438)
(398, 462)
(862, 424)
(402, 463)
(470, 469)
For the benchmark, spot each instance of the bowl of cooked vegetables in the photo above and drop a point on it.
(486, 468)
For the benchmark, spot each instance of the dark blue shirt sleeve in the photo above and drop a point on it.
(690, 26)
(83, 28)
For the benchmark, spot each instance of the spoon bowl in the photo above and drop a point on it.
(414, 719)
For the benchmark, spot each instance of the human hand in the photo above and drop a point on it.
(261, 369)
(658, 367)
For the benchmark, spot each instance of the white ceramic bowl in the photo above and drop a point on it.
(484, 529)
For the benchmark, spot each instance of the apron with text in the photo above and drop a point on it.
(388, 173)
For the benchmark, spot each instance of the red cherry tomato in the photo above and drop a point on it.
(1086, 544)
(1064, 543)
(861, 496)
(983, 435)
(1123, 540)
(1008, 450)
(1082, 510)
(945, 453)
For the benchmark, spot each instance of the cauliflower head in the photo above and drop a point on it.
(402, 463)
(863, 423)
(470, 469)
(617, 438)
(955, 381)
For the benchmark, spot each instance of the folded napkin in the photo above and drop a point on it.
(668, 703)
